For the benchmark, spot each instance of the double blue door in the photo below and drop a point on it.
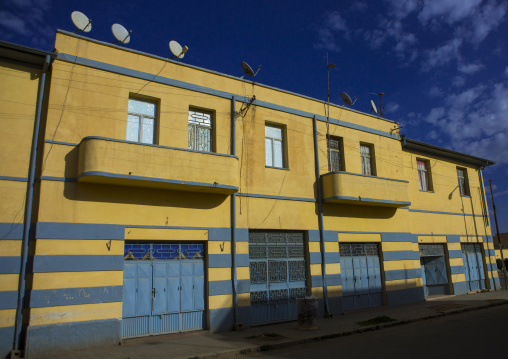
(434, 271)
(163, 289)
(473, 266)
(361, 275)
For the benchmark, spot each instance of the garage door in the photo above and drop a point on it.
(277, 274)
(163, 288)
(473, 265)
(361, 275)
(434, 273)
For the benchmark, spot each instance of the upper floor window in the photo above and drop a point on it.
(335, 154)
(367, 157)
(200, 130)
(141, 121)
(424, 175)
(274, 146)
(463, 181)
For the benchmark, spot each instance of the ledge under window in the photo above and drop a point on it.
(278, 168)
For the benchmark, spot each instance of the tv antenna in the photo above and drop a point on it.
(373, 107)
(248, 70)
(347, 100)
(177, 50)
(121, 34)
(81, 21)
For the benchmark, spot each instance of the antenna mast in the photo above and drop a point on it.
(328, 67)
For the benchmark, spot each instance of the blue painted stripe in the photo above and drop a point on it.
(53, 230)
(330, 236)
(59, 179)
(11, 231)
(400, 255)
(456, 253)
(315, 258)
(219, 261)
(460, 288)
(77, 263)
(242, 260)
(449, 213)
(219, 234)
(243, 286)
(456, 270)
(15, 179)
(220, 287)
(453, 238)
(6, 341)
(276, 197)
(490, 252)
(61, 143)
(156, 146)
(314, 235)
(405, 296)
(10, 265)
(316, 281)
(403, 274)
(332, 257)
(75, 296)
(242, 234)
(9, 299)
(399, 237)
(362, 175)
(188, 86)
(154, 179)
(365, 199)
(333, 279)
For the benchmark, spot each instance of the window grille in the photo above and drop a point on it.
(463, 181)
(274, 146)
(334, 155)
(423, 175)
(200, 131)
(366, 156)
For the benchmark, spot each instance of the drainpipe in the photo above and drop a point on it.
(484, 198)
(28, 208)
(498, 235)
(236, 325)
(320, 218)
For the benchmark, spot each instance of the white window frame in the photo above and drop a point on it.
(463, 181)
(274, 146)
(334, 145)
(143, 119)
(423, 175)
(366, 154)
(199, 130)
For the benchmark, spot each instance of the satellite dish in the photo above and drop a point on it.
(121, 34)
(373, 107)
(81, 21)
(247, 69)
(345, 97)
(177, 50)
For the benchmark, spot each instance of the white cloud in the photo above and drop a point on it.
(391, 107)
(469, 69)
(506, 71)
(458, 81)
(449, 10)
(435, 92)
(359, 6)
(442, 55)
(334, 24)
(487, 19)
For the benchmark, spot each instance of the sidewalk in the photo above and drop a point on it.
(231, 344)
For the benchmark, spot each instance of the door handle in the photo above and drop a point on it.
(153, 292)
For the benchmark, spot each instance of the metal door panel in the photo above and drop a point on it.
(159, 294)
(199, 285)
(144, 288)
(348, 283)
(375, 285)
(361, 275)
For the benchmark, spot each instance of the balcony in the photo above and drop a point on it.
(110, 161)
(352, 188)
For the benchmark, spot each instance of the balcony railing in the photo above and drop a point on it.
(352, 188)
(110, 161)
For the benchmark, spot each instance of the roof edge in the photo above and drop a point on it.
(422, 147)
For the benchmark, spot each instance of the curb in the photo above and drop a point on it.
(233, 353)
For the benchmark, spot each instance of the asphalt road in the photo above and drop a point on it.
(476, 334)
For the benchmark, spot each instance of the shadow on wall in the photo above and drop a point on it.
(96, 192)
(358, 211)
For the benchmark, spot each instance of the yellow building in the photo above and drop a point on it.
(193, 200)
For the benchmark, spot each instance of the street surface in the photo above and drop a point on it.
(475, 334)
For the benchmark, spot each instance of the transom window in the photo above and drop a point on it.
(274, 146)
(200, 131)
(141, 121)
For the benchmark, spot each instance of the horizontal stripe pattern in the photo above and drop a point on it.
(10, 265)
(9, 300)
(400, 255)
(74, 296)
(77, 263)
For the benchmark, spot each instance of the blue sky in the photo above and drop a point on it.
(443, 64)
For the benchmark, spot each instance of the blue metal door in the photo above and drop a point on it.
(361, 275)
(277, 274)
(473, 266)
(434, 269)
(163, 288)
